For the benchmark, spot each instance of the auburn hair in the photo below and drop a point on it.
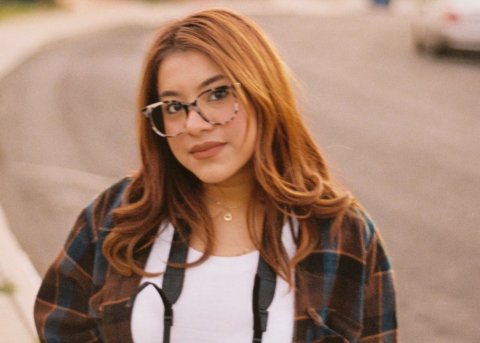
(290, 172)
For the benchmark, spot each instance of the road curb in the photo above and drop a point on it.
(17, 270)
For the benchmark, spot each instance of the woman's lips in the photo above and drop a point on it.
(206, 150)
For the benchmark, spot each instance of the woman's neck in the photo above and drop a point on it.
(228, 204)
(234, 193)
(231, 196)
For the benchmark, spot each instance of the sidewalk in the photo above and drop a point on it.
(21, 37)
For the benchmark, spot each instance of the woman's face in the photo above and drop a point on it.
(216, 154)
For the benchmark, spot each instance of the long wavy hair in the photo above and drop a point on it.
(290, 172)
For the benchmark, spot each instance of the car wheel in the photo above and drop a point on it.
(438, 50)
(419, 46)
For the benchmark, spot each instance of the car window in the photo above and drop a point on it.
(434, 2)
(442, 3)
(464, 2)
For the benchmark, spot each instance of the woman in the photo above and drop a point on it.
(231, 230)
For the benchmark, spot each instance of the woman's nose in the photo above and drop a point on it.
(195, 123)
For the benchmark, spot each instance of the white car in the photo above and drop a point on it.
(441, 25)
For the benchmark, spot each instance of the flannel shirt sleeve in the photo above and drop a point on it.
(379, 315)
(61, 307)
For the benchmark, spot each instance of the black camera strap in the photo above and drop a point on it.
(173, 278)
(263, 289)
(263, 292)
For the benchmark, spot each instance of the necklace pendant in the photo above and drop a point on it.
(227, 217)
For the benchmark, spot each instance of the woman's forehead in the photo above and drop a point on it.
(187, 69)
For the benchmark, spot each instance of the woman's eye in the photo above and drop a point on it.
(218, 94)
(173, 107)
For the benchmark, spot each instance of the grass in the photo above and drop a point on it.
(13, 9)
(7, 287)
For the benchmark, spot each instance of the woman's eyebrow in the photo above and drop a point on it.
(203, 84)
(211, 80)
(168, 93)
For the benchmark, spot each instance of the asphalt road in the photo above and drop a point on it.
(402, 131)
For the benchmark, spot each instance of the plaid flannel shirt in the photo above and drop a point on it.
(347, 281)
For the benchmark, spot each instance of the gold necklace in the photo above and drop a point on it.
(227, 215)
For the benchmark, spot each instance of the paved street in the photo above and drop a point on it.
(402, 131)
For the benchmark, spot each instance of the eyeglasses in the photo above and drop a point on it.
(216, 106)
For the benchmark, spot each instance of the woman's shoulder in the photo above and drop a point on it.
(355, 230)
(93, 220)
(99, 209)
(360, 222)
(114, 190)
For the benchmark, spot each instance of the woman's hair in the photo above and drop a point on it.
(292, 180)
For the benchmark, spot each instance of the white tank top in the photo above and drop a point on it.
(215, 305)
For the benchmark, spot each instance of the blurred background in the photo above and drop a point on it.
(390, 89)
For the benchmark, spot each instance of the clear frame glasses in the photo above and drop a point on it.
(216, 106)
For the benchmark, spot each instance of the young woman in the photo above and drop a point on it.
(231, 230)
